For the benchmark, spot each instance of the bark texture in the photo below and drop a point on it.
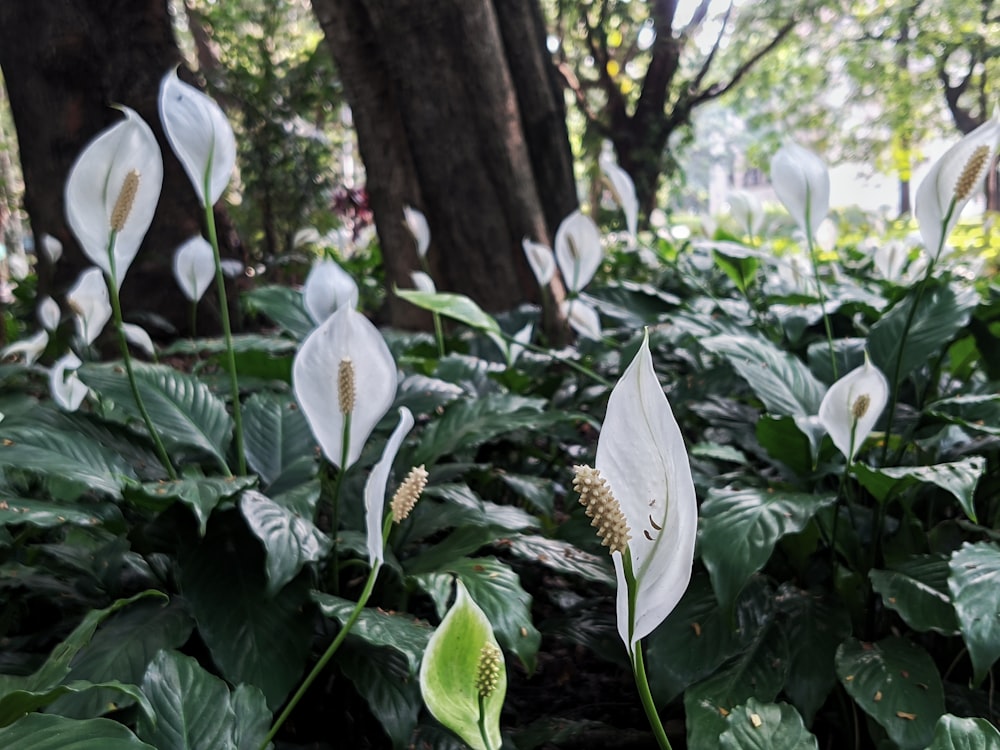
(65, 62)
(459, 115)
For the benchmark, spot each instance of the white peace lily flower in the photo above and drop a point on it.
(852, 405)
(328, 287)
(138, 337)
(67, 390)
(231, 268)
(747, 212)
(423, 282)
(51, 248)
(583, 318)
(890, 258)
(641, 455)
(512, 349)
(622, 187)
(344, 367)
(113, 189)
(49, 314)
(376, 485)
(952, 181)
(541, 259)
(194, 267)
(90, 301)
(802, 183)
(200, 135)
(18, 266)
(578, 250)
(416, 222)
(31, 348)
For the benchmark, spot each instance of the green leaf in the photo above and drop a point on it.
(57, 666)
(21, 702)
(289, 539)
(468, 423)
(975, 590)
(252, 719)
(192, 706)
(44, 514)
(455, 306)
(277, 437)
(759, 672)
(50, 451)
(785, 442)
(766, 726)
(253, 637)
(121, 650)
(497, 589)
(449, 673)
(941, 314)
(896, 683)
(469, 509)
(183, 409)
(562, 557)
(783, 383)
(815, 624)
(49, 732)
(740, 529)
(537, 491)
(390, 691)
(958, 477)
(976, 412)
(201, 494)
(397, 631)
(283, 305)
(917, 589)
(954, 733)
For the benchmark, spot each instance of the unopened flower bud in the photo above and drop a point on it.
(126, 198)
(408, 493)
(488, 670)
(971, 173)
(345, 385)
(861, 404)
(602, 507)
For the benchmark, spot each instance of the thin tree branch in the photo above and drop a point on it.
(700, 76)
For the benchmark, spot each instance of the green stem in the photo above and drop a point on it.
(482, 724)
(325, 658)
(822, 299)
(549, 353)
(345, 447)
(116, 309)
(227, 332)
(438, 334)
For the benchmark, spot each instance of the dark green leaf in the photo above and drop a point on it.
(975, 590)
(738, 531)
(192, 706)
(183, 409)
(941, 314)
(783, 383)
(44, 514)
(954, 733)
(277, 436)
(391, 692)
(283, 305)
(959, 478)
(537, 491)
(252, 719)
(766, 726)
(201, 494)
(562, 557)
(469, 509)
(976, 412)
(290, 540)
(896, 683)
(21, 702)
(50, 732)
(379, 628)
(917, 589)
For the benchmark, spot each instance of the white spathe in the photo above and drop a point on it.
(802, 183)
(937, 208)
(67, 389)
(642, 456)
(328, 287)
(416, 222)
(622, 187)
(194, 267)
(582, 318)
(31, 348)
(347, 334)
(376, 485)
(138, 337)
(200, 135)
(852, 405)
(49, 313)
(51, 248)
(422, 282)
(578, 250)
(89, 299)
(541, 259)
(95, 183)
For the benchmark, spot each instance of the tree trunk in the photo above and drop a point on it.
(65, 62)
(457, 115)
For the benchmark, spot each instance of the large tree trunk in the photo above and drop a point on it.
(65, 62)
(458, 115)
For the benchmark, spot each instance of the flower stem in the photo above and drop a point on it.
(325, 658)
(227, 332)
(438, 333)
(116, 309)
(482, 724)
(335, 503)
(822, 301)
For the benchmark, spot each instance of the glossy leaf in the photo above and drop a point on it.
(917, 589)
(561, 557)
(391, 694)
(955, 733)
(201, 494)
(896, 683)
(283, 305)
(50, 732)
(455, 306)
(766, 726)
(959, 478)
(277, 437)
(975, 590)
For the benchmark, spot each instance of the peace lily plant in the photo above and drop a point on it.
(641, 498)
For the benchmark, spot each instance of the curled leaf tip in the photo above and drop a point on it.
(602, 507)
